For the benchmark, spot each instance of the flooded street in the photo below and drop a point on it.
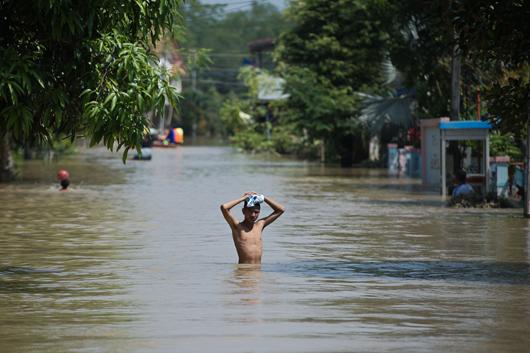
(138, 258)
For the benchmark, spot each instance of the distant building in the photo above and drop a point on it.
(257, 50)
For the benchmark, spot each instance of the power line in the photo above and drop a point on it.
(239, 6)
(229, 55)
(215, 82)
(210, 69)
(238, 2)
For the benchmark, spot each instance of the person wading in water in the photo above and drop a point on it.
(247, 234)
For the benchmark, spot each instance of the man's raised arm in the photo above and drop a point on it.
(277, 208)
(226, 207)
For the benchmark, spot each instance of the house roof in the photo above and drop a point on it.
(465, 124)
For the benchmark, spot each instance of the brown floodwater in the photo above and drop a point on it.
(138, 258)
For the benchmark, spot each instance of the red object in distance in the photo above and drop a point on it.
(63, 174)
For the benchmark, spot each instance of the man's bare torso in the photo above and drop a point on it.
(248, 242)
(247, 234)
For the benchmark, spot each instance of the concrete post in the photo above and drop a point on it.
(443, 165)
(527, 175)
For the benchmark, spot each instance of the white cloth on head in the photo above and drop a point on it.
(254, 200)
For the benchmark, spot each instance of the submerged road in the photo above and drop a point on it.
(138, 258)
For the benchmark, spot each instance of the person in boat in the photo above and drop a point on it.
(247, 234)
(169, 136)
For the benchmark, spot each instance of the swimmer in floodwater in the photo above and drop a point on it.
(247, 234)
(64, 179)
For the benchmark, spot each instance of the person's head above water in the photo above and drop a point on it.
(251, 213)
(63, 174)
(252, 207)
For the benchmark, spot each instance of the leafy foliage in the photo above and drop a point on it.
(332, 50)
(318, 107)
(227, 34)
(202, 109)
(341, 40)
(232, 115)
(245, 120)
(421, 49)
(78, 68)
(495, 34)
(504, 145)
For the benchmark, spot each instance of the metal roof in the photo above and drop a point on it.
(465, 124)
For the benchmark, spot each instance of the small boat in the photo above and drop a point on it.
(171, 139)
(145, 156)
(161, 144)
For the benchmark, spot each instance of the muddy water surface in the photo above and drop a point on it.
(138, 258)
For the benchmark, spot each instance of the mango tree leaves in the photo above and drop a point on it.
(80, 68)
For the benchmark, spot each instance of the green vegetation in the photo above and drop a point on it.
(505, 145)
(352, 69)
(495, 35)
(335, 52)
(355, 69)
(226, 33)
(332, 50)
(248, 122)
(75, 68)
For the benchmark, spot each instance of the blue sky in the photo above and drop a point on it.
(242, 4)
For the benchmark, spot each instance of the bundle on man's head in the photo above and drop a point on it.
(254, 201)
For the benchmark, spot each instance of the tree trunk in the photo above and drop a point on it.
(6, 162)
(323, 151)
(346, 151)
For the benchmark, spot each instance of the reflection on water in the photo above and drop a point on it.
(246, 282)
(138, 258)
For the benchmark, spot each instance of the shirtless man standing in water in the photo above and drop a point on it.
(247, 234)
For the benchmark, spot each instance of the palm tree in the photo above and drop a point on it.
(396, 106)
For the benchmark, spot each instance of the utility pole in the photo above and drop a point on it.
(194, 88)
(455, 82)
(527, 175)
(455, 72)
(478, 103)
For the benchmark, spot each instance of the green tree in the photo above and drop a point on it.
(227, 33)
(78, 68)
(421, 49)
(495, 34)
(201, 109)
(332, 50)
